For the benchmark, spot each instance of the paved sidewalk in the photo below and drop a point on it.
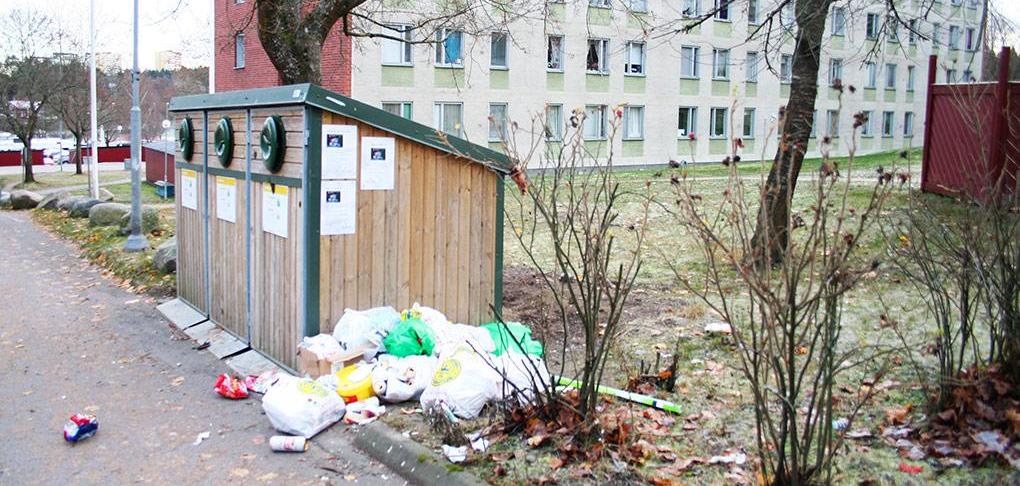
(72, 341)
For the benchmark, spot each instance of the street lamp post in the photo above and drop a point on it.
(136, 240)
(93, 117)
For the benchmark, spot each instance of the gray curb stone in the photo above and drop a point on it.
(413, 461)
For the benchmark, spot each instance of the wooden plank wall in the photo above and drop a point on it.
(227, 271)
(276, 261)
(190, 229)
(432, 240)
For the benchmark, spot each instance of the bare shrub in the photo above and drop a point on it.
(786, 319)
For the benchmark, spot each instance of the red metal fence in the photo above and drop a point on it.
(12, 158)
(971, 135)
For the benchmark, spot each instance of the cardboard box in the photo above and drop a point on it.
(313, 365)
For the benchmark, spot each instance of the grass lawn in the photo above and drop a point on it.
(865, 163)
(53, 180)
(122, 193)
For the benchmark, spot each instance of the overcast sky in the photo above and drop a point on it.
(185, 25)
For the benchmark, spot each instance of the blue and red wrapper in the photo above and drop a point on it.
(80, 427)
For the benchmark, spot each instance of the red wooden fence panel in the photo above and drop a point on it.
(154, 165)
(12, 158)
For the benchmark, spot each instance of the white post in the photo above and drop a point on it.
(136, 240)
(212, 48)
(94, 160)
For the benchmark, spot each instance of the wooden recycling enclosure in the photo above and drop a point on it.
(294, 203)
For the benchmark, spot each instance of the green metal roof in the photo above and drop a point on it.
(309, 94)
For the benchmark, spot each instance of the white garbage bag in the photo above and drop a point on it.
(476, 337)
(464, 382)
(521, 375)
(301, 406)
(400, 379)
(363, 331)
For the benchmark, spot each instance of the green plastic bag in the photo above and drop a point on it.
(411, 337)
(514, 337)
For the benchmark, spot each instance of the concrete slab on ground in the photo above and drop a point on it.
(252, 362)
(181, 314)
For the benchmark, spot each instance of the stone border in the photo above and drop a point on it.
(415, 462)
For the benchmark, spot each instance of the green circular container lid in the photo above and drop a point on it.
(186, 139)
(223, 141)
(273, 143)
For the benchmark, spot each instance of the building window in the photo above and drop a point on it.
(554, 55)
(890, 76)
(718, 123)
(449, 118)
(497, 51)
(872, 26)
(835, 71)
(866, 125)
(497, 122)
(969, 39)
(722, 9)
(936, 34)
(720, 64)
(950, 75)
(595, 122)
(634, 123)
(967, 76)
(912, 32)
(751, 67)
(688, 123)
(689, 61)
(832, 122)
(599, 3)
(638, 5)
(786, 68)
(598, 56)
(788, 15)
(448, 47)
(748, 122)
(554, 122)
(689, 8)
(954, 37)
(635, 58)
(238, 51)
(838, 21)
(908, 124)
(814, 124)
(892, 30)
(397, 51)
(399, 108)
(871, 75)
(910, 78)
(957, 3)
(752, 12)
(887, 123)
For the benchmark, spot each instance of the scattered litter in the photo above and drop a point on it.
(478, 442)
(840, 424)
(410, 337)
(464, 382)
(362, 332)
(231, 388)
(737, 458)
(364, 411)
(202, 346)
(354, 383)
(400, 379)
(316, 355)
(177, 381)
(992, 441)
(80, 427)
(910, 469)
(288, 443)
(301, 406)
(859, 434)
(200, 438)
(455, 454)
(261, 383)
(718, 328)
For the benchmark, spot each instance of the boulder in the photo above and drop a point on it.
(50, 202)
(104, 195)
(5, 199)
(80, 209)
(108, 213)
(22, 199)
(66, 203)
(150, 220)
(165, 258)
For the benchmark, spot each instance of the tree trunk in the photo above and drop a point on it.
(772, 232)
(26, 162)
(77, 155)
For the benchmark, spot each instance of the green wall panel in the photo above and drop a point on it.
(689, 86)
(449, 77)
(633, 148)
(499, 79)
(554, 81)
(597, 83)
(634, 84)
(398, 76)
(599, 16)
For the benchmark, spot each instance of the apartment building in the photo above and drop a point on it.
(655, 93)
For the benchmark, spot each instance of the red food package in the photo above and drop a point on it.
(231, 388)
(909, 469)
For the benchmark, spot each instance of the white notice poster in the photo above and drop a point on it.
(275, 204)
(377, 163)
(226, 198)
(339, 152)
(338, 207)
(189, 189)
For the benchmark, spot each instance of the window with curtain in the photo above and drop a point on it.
(397, 51)
(720, 63)
(687, 125)
(449, 118)
(751, 67)
(887, 123)
(598, 56)
(635, 58)
(449, 45)
(689, 61)
(554, 122)
(497, 122)
(239, 51)
(399, 108)
(748, 123)
(634, 123)
(595, 122)
(554, 53)
(497, 50)
(718, 122)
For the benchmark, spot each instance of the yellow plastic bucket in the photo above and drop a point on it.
(355, 383)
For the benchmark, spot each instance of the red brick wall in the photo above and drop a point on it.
(258, 70)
